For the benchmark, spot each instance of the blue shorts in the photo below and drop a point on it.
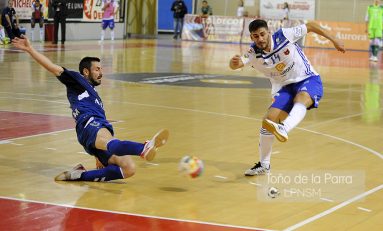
(107, 23)
(284, 98)
(87, 133)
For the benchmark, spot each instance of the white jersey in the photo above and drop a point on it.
(285, 63)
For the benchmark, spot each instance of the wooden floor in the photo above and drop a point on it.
(213, 113)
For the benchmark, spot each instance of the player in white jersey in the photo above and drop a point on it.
(296, 86)
(109, 8)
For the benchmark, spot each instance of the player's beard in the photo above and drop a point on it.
(95, 81)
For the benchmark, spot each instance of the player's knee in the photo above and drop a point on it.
(129, 169)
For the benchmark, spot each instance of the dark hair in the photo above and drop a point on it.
(87, 63)
(256, 24)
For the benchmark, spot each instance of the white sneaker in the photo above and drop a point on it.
(375, 59)
(278, 130)
(73, 174)
(258, 169)
(150, 148)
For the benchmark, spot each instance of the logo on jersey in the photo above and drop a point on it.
(280, 66)
(298, 31)
(83, 95)
(95, 124)
(287, 52)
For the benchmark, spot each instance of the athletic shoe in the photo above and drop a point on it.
(73, 174)
(150, 148)
(258, 169)
(278, 130)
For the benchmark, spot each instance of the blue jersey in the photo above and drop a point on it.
(83, 98)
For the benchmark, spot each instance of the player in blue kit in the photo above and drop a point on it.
(296, 86)
(94, 132)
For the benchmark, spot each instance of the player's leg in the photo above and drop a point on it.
(176, 24)
(124, 147)
(308, 94)
(41, 24)
(277, 112)
(32, 29)
(283, 102)
(104, 25)
(111, 27)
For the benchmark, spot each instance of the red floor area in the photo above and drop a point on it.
(23, 215)
(18, 124)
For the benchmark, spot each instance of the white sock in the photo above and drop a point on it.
(102, 35)
(32, 34)
(2, 34)
(42, 34)
(266, 140)
(112, 35)
(296, 115)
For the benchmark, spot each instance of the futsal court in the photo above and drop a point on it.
(213, 113)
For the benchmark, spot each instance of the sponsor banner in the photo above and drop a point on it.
(352, 34)
(213, 28)
(24, 8)
(299, 9)
(273, 25)
(75, 9)
(93, 11)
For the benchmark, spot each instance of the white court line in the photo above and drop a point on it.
(337, 119)
(221, 114)
(333, 209)
(326, 199)
(256, 184)
(364, 209)
(249, 118)
(345, 141)
(221, 177)
(136, 215)
(154, 164)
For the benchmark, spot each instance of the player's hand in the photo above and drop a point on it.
(22, 43)
(339, 45)
(99, 165)
(236, 62)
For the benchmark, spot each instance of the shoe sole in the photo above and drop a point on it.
(271, 128)
(160, 139)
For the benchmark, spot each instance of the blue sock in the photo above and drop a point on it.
(110, 172)
(122, 148)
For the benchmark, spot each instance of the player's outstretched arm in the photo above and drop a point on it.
(313, 27)
(24, 44)
(236, 62)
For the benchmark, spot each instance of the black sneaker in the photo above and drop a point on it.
(258, 169)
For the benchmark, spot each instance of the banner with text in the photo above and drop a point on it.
(212, 28)
(24, 8)
(299, 9)
(352, 34)
(93, 11)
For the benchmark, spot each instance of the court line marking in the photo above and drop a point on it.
(326, 199)
(333, 209)
(220, 114)
(134, 214)
(364, 209)
(249, 118)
